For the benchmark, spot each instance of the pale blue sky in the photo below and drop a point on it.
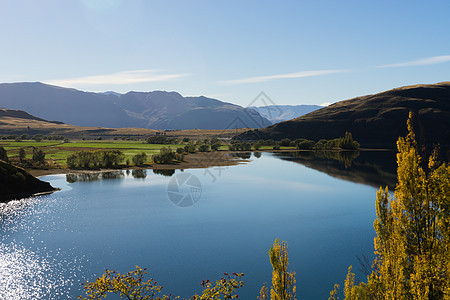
(297, 52)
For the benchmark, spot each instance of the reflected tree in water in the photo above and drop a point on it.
(345, 157)
(374, 168)
(244, 155)
(164, 172)
(140, 174)
(93, 176)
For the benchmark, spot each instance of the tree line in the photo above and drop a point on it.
(345, 143)
(94, 159)
(38, 156)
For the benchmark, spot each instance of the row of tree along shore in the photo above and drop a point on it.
(111, 157)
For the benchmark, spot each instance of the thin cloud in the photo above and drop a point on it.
(282, 76)
(420, 62)
(119, 78)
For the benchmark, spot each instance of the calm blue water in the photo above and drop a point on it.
(50, 244)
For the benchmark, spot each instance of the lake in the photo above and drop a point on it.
(191, 225)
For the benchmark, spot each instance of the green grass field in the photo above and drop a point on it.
(58, 151)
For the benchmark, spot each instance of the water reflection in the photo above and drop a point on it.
(374, 168)
(243, 155)
(346, 157)
(93, 176)
(164, 172)
(140, 174)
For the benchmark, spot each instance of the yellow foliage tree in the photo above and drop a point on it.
(132, 286)
(412, 244)
(283, 280)
(334, 294)
(128, 286)
(263, 293)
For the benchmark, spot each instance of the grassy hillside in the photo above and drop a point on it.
(374, 120)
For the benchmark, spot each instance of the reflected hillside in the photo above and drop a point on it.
(374, 168)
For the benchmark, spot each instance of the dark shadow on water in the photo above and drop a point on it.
(374, 168)
(163, 172)
(93, 176)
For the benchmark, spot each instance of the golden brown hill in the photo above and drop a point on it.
(374, 120)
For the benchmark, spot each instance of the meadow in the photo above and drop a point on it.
(56, 152)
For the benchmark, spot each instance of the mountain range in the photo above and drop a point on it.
(280, 113)
(155, 110)
(374, 120)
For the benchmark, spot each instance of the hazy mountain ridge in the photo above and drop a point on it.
(374, 120)
(67, 105)
(156, 110)
(280, 113)
(170, 110)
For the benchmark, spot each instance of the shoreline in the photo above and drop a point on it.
(196, 160)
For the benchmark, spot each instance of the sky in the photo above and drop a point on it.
(296, 52)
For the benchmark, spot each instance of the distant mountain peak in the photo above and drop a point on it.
(280, 113)
(111, 93)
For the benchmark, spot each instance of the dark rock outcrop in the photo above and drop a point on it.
(16, 183)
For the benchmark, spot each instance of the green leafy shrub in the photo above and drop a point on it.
(139, 158)
(203, 148)
(89, 159)
(306, 145)
(161, 139)
(165, 156)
